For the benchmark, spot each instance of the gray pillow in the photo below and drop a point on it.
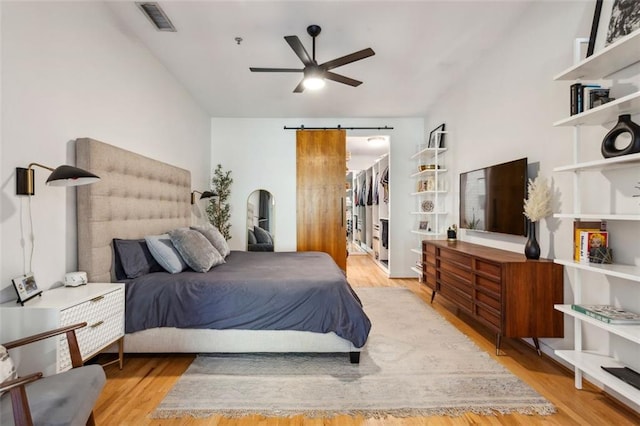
(215, 237)
(252, 237)
(165, 253)
(195, 249)
(262, 235)
(133, 259)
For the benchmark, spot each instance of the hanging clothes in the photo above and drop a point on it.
(369, 191)
(375, 188)
(385, 233)
(384, 180)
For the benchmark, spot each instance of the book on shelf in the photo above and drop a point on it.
(579, 226)
(592, 240)
(607, 313)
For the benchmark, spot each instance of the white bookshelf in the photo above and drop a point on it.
(609, 60)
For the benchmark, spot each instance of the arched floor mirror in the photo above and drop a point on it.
(260, 221)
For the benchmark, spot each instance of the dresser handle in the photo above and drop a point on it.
(96, 299)
(99, 323)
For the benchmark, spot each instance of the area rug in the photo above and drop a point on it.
(414, 364)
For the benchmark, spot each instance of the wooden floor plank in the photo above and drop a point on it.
(131, 394)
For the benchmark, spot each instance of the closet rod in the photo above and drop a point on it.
(339, 127)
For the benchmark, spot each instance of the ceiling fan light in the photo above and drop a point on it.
(313, 83)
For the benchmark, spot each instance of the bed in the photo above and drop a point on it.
(138, 196)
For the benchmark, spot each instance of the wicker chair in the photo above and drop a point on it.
(64, 398)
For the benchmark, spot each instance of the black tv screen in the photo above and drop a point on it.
(492, 198)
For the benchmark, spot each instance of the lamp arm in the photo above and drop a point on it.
(30, 166)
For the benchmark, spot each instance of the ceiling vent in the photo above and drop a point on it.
(156, 15)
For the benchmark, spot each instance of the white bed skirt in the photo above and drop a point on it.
(181, 340)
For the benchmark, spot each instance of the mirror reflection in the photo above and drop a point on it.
(260, 207)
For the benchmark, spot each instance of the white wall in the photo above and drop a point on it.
(504, 110)
(262, 155)
(69, 71)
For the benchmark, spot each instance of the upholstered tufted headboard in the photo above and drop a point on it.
(136, 196)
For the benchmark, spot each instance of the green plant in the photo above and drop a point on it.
(473, 223)
(218, 210)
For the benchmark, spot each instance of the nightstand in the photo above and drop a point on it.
(100, 305)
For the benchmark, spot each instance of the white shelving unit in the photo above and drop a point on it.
(431, 186)
(615, 57)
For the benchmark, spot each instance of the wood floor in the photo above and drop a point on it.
(131, 394)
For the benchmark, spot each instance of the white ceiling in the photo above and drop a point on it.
(422, 47)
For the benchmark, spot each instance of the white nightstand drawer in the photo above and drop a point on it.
(92, 339)
(94, 310)
(100, 305)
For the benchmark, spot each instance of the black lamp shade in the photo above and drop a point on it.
(71, 176)
(205, 194)
(62, 176)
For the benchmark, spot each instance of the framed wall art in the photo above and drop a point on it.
(612, 20)
(436, 138)
(26, 287)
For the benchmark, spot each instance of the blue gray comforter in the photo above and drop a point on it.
(304, 291)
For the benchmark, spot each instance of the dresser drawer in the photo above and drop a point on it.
(460, 273)
(104, 316)
(92, 339)
(489, 269)
(429, 249)
(490, 316)
(451, 280)
(95, 310)
(460, 299)
(489, 286)
(450, 256)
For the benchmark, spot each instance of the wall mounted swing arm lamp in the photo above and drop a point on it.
(61, 176)
(203, 195)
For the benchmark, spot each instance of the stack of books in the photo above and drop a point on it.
(609, 314)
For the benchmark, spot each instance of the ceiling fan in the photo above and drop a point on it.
(314, 74)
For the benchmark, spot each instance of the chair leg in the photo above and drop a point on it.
(91, 421)
(21, 411)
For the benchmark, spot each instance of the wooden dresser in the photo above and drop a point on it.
(503, 290)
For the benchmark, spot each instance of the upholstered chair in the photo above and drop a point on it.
(65, 398)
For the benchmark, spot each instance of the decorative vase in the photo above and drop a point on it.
(532, 248)
(624, 125)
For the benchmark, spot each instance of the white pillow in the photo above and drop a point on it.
(7, 369)
(165, 253)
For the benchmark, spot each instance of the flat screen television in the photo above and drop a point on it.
(492, 198)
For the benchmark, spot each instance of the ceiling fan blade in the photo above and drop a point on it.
(356, 56)
(297, 47)
(254, 69)
(300, 87)
(341, 79)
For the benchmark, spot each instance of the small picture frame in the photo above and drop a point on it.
(26, 287)
(423, 225)
(436, 137)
